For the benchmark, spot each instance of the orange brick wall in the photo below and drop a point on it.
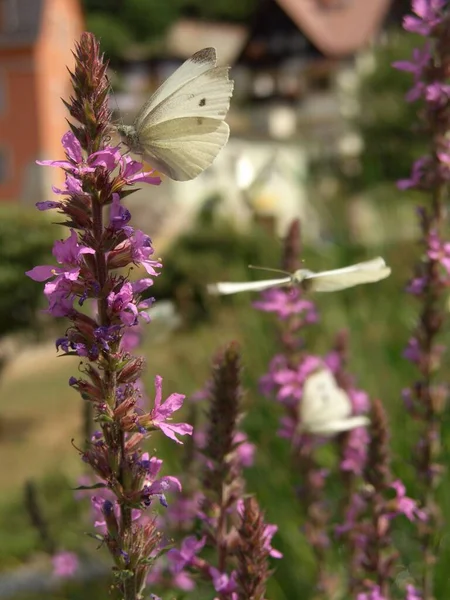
(33, 118)
(18, 117)
(61, 28)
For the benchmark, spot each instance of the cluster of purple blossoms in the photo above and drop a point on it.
(95, 263)
(375, 593)
(285, 381)
(229, 528)
(367, 507)
(370, 512)
(426, 398)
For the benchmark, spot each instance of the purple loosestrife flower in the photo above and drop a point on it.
(285, 381)
(370, 512)
(439, 251)
(161, 413)
(190, 547)
(217, 459)
(428, 16)
(373, 594)
(417, 64)
(353, 444)
(412, 593)
(286, 303)
(184, 513)
(249, 505)
(65, 564)
(418, 175)
(223, 583)
(426, 398)
(403, 505)
(94, 263)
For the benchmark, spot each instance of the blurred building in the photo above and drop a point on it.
(36, 39)
(296, 66)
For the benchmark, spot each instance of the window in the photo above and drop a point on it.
(3, 166)
(2, 92)
(9, 15)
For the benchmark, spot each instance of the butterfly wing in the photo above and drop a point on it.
(340, 425)
(183, 148)
(200, 62)
(181, 129)
(340, 279)
(225, 288)
(205, 96)
(322, 399)
(325, 408)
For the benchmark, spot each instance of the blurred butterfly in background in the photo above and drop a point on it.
(326, 281)
(325, 408)
(181, 129)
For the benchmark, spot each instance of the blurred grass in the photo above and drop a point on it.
(40, 415)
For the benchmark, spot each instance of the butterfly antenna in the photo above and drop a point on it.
(111, 93)
(270, 269)
(119, 114)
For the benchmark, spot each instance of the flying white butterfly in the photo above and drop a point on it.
(180, 130)
(325, 408)
(326, 281)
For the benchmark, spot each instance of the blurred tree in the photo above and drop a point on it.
(148, 19)
(114, 36)
(26, 239)
(229, 10)
(386, 118)
(383, 121)
(118, 23)
(353, 188)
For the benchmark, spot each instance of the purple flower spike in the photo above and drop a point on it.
(190, 547)
(425, 398)
(65, 564)
(93, 270)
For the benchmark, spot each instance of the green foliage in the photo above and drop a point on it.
(26, 239)
(113, 34)
(230, 10)
(97, 588)
(119, 23)
(129, 23)
(386, 121)
(147, 19)
(58, 508)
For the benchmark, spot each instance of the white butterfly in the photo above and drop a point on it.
(326, 281)
(181, 129)
(325, 408)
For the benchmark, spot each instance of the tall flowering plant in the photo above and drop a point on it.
(369, 520)
(358, 523)
(426, 398)
(288, 372)
(227, 543)
(95, 262)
